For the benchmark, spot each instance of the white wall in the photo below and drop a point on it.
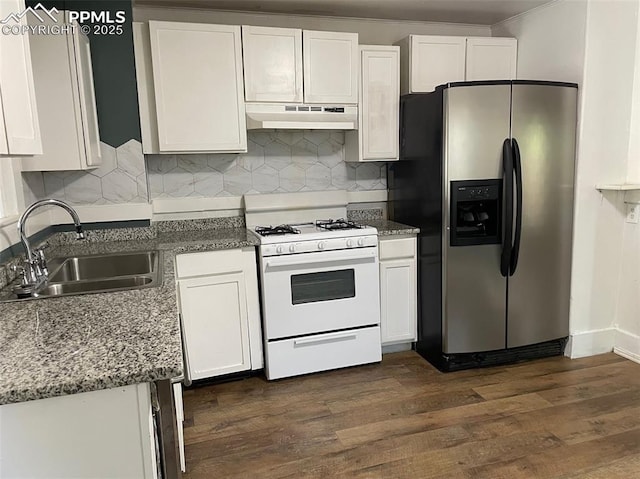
(591, 43)
(628, 315)
(373, 32)
(550, 41)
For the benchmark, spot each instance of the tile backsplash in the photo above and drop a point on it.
(120, 179)
(276, 161)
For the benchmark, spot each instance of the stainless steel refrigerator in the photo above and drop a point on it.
(486, 171)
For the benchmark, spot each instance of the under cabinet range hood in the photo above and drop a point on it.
(290, 116)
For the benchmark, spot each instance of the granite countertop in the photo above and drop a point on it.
(74, 344)
(390, 228)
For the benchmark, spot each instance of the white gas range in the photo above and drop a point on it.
(319, 290)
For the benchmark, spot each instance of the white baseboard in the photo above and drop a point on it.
(627, 345)
(590, 343)
(396, 348)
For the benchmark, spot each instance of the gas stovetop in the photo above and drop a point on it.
(324, 234)
(306, 228)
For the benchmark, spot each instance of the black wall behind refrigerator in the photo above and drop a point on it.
(415, 198)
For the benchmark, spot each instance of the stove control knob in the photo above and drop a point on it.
(292, 248)
(361, 242)
(321, 245)
(349, 243)
(279, 250)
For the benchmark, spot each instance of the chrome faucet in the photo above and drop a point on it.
(34, 272)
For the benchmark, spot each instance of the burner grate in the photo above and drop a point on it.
(339, 224)
(276, 230)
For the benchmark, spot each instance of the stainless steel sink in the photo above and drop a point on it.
(87, 268)
(98, 274)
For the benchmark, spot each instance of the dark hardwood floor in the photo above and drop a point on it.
(551, 418)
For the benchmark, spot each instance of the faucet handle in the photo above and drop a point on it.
(22, 272)
(42, 261)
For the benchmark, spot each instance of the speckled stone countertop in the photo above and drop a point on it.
(56, 346)
(374, 217)
(389, 228)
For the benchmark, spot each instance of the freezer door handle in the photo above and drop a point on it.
(507, 194)
(518, 231)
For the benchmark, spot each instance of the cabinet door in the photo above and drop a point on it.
(330, 67)
(491, 58)
(380, 103)
(435, 60)
(4, 148)
(16, 84)
(398, 294)
(197, 74)
(89, 113)
(272, 59)
(215, 325)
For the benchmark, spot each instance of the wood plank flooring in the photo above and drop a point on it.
(551, 418)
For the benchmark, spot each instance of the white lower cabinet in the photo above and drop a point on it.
(107, 433)
(220, 312)
(398, 290)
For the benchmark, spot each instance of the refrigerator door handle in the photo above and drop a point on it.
(507, 194)
(518, 231)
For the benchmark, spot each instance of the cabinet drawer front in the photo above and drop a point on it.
(210, 263)
(322, 352)
(397, 248)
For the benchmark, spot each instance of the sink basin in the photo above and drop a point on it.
(98, 274)
(101, 285)
(84, 268)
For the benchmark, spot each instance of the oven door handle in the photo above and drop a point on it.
(324, 339)
(304, 259)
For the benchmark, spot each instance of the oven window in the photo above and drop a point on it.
(324, 286)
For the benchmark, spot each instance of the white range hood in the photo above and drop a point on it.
(290, 116)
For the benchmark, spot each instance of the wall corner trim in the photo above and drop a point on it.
(590, 343)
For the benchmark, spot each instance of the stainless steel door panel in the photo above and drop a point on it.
(477, 120)
(544, 125)
(475, 303)
(476, 123)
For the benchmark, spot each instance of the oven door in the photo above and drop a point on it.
(319, 292)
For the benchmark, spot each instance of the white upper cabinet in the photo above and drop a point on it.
(21, 125)
(330, 67)
(198, 84)
(65, 93)
(491, 58)
(87, 94)
(272, 60)
(378, 121)
(431, 60)
(4, 148)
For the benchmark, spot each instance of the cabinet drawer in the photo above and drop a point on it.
(292, 357)
(397, 248)
(209, 263)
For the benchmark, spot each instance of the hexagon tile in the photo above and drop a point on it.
(121, 178)
(276, 161)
